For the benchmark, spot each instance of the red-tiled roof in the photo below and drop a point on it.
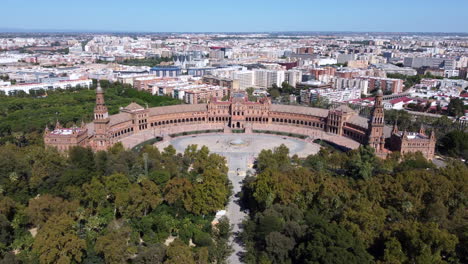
(401, 99)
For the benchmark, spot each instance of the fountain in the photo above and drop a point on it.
(237, 142)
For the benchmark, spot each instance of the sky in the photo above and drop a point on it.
(235, 16)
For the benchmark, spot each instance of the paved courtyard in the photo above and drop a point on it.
(240, 151)
(248, 144)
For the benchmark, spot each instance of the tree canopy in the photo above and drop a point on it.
(336, 207)
(87, 207)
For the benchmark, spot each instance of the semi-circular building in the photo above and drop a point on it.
(135, 124)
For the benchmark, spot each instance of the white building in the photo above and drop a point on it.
(325, 61)
(265, 79)
(345, 83)
(332, 95)
(293, 77)
(216, 54)
(226, 72)
(4, 83)
(344, 58)
(27, 87)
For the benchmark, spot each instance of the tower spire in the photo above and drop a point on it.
(395, 128)
(100, 110)
(57, 124)
(395, 125)
(422, 131)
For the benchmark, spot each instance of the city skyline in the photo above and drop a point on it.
(241, 16)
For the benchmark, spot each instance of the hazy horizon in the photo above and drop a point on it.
(241, 16)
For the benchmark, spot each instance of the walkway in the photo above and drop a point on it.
(234, 212)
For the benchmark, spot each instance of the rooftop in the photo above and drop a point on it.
(67, 131)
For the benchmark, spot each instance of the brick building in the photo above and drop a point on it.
(218, 81)
(392, 86)
(135, 122)
(64, 138)
(410, 142)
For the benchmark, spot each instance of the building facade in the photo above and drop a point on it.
(410, 142)
(166, 71)
(27, 87)
(218, 81)
(391, 86)
(236, 113)
(245, 79)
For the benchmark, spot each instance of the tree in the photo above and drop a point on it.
(160, 177)
(154, 254)
(210, 195)
(250, 95)
(150, 194)
(329, 243)
(279, 246)
(81, 158)
(393, 252)
(47, 169)
(221, 248)
(116, 184)
(139, 199)
(414, 161)
(202, 256)
(455, 144)
(114, 244)
(364, 219)
(402, 118)
(42, 208)
(179, 190)
(9, 258)
(274, 92)
(273, 186)
(57, 241)
(178, 252)
(286, 88)
(6, 233)
(361, 163)
(278, 159)
(424, 243)
(456, 107)
(94, 192)
(8, 207)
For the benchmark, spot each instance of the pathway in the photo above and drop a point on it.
(234, 213)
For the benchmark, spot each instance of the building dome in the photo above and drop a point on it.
(99, 88)
(379, 92)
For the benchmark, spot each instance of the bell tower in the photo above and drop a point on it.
(101, 121)
(100, 110)
(375, 136)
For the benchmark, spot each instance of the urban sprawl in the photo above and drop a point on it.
(417, 73)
